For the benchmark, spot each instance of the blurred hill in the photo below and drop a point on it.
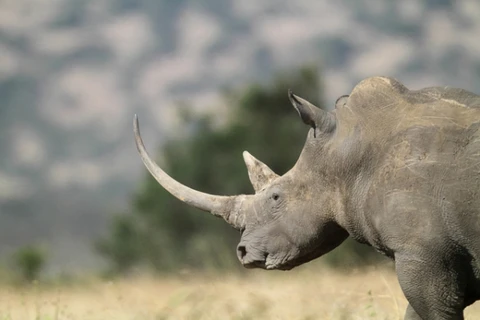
(73, 73)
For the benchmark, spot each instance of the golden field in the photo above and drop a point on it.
(299, 294)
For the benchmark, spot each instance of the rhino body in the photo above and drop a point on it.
(394, 168)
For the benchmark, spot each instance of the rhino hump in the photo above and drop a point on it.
(385, 105)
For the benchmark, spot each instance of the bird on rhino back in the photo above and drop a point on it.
(394, 168)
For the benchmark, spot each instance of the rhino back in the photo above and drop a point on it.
(425, 181)
(454, 96)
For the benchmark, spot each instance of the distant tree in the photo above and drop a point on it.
(262, 121)
(29, 262)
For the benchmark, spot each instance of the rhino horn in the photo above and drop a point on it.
(259, 173)
(227, 207)
(311, 115)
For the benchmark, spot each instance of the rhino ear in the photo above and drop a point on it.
(259, 173)
(318, 119)
(341, 101)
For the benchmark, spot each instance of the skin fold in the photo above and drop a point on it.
(394, 168)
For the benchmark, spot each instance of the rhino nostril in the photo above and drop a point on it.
(241, 252)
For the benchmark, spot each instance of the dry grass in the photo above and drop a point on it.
(299, 294)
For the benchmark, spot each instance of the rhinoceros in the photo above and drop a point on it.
(393, 168)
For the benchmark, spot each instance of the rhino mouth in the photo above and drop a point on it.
(269, 263)
(291, 263)
(264, 264)
(257, 264)
(283, 267)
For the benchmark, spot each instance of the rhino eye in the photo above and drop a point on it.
(275, 196)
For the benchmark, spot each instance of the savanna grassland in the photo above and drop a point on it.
(299, 294)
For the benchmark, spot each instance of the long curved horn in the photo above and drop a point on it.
(227, 207)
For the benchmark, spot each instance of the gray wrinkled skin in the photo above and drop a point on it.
(393, 168)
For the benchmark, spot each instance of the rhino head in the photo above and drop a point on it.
(290, 219)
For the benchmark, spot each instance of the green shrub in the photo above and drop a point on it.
(29, 262)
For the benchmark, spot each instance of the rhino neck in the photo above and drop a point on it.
(336, 166)
(351, 165)
(340, 165)
(359, 163)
